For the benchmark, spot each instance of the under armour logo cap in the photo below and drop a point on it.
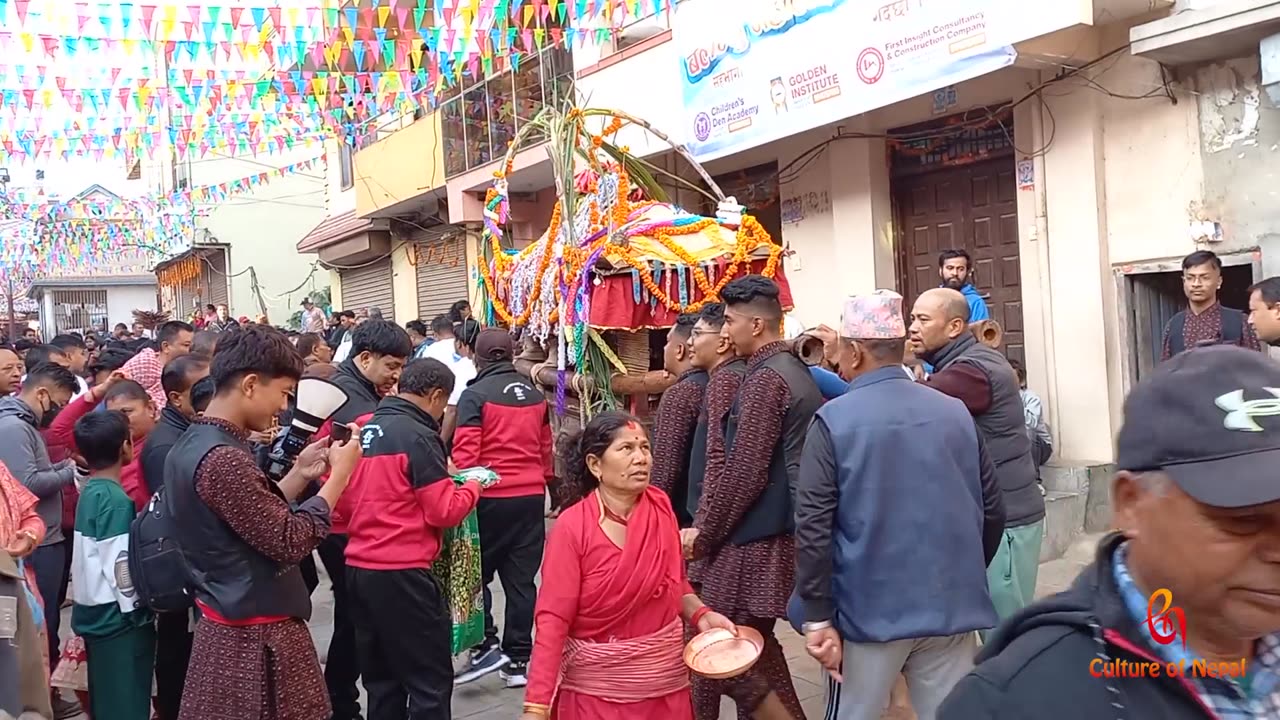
(1210, 419)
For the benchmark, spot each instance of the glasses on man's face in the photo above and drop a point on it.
(699, 333)
(1196, 279)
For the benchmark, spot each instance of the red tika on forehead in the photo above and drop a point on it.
(633, 425)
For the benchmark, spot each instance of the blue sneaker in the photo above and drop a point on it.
(483, 661)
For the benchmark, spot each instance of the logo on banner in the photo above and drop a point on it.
(870, 66)
(702, 127)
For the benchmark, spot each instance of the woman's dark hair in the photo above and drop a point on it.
(307, 343)
(593, 439)
(455, 310)
(467, 332)
(256, 349)
(381, 337)
(100, 436)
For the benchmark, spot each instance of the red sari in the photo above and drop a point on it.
(595, 595)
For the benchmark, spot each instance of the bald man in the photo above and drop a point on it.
(983, 380)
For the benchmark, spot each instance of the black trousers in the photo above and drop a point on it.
(173, 653)
(404, 637)
(512, 531)
(50, 565)
(341, 669)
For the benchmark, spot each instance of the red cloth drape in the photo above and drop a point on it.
(613, 304)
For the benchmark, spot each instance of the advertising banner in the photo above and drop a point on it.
(754, 71)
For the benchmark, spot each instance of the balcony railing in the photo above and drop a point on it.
(480, 120)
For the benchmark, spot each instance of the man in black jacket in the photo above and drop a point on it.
(1190, 583)
(173, 635)
(379, 350)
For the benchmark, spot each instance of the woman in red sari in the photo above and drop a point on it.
(609, 643)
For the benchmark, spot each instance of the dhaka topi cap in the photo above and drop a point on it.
(877, 316)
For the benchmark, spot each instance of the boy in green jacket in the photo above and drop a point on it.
(117, 629)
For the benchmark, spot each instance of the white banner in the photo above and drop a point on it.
(754, 71)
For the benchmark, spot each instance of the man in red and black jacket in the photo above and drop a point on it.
(503, 425)
(403, 500)
(379, 350)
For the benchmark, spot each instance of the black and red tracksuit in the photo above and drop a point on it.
(342, 670)
(403, 500)
(503, 425)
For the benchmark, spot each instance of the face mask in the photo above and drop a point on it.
(50, 414)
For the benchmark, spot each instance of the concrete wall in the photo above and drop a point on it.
(263, 228)
(337, 199)
(1240, 149)
(404, 282)
(123, 300)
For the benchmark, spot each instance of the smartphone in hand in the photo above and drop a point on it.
(339, 433)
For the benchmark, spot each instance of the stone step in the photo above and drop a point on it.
(1063, 522)
(1057, 575)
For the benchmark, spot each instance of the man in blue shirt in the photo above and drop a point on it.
(955, 268)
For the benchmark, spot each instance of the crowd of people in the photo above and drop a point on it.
(768, 490)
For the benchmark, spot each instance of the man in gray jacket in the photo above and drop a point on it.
(983, 380)
(46, 389)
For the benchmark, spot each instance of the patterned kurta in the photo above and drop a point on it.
(673, 433)
(721, 389)
(749, 583)
(1207, 327)
(256, 672)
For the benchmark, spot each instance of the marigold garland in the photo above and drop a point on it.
(612, 226)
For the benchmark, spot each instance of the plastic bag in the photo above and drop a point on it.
(458, 570)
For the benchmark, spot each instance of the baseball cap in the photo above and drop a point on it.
(1209, 418)
(494, 344)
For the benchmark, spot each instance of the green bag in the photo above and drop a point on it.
(458, 570)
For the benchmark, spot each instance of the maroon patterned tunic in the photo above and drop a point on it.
(673, 432)
(722, 388)
(749, 583)
(1207, 327)
(256, 672)
(752, 580)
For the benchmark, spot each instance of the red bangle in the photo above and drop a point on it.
(698, 615)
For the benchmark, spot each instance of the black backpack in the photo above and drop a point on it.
(156, 563)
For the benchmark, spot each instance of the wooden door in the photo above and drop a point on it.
(975, 208)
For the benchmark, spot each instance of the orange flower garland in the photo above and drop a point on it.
(750, 236)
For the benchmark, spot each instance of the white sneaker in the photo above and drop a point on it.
(515, 674)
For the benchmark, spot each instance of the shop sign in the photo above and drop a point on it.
(754, 71)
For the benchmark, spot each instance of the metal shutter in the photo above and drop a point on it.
(215, 284)
(442, 275)
(369, 287)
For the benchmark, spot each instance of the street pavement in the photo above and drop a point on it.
(487, 699)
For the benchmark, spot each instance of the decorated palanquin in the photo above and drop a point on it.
(617, 264)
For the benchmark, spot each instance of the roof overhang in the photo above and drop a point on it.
(81, 283)
(1224, 30)
(337, 228)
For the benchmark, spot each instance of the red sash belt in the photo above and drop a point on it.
(626, 671)
(214, 616)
